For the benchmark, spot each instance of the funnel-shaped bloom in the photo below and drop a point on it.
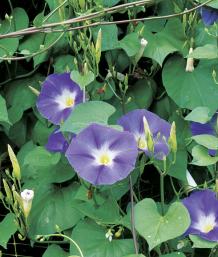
(203, 210)
(209, 15)
(58, 96)
(209, 128)
(57, 142)
(102, 155)
(27, 198)
(160, 130)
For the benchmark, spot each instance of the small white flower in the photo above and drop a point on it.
(109, 235)
(27, 197)
(144, 42)
(190, 62)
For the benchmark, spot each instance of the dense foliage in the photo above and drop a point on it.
(109, 128)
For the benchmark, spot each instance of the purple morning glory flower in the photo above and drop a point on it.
(102, 155)
(57, 142)
(58, 96)
(209, 15)
(208, 128)
(160, 129)
(203, 210)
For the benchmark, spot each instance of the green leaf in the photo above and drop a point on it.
(134, 255)
(3, 113)
(91, 239)
(41, 132)
(31, 44)
(41, 158)
(208, 51)
(64, 63)
(109, 3)
(201, 243)
(130, 44)
(20, 98)
(156, 228)
(199, 114)
(208, 141)
(178, 170)
(190, 89)
(54, 207)
(167, 41)
(213, 4)
(7, 227)
(107, 213)
(8, 46)
(201, 156)
(86, 113)
(143, 92)
(40, 167)
(109, 36)
(55, 251)
(82, 79)
(18, 132)
(21, 19)
(175, 254)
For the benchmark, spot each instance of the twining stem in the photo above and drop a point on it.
(132, 213)
(47, 28)
(162, 176)
(68, 238)
(133, 217)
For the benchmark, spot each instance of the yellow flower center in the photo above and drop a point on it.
(104, 159)
(142, 143)
(69, 101)
(208, 227)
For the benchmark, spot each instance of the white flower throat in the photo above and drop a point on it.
(66, 99)
(104, 156)
(205, 223)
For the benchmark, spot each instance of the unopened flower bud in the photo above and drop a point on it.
(34, 90)
(172, 139)
(82, 4)
(190, 62)
(148, 135)
(143, 44)
(15, 164)
(7, 17)
(119, 232)
(27, 197)
(9, 197)
(98, 46)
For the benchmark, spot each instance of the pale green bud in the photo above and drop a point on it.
(98, 46)
(34, 90)
(143, 44)
(15, 164)
(82, 4)
(172, 141)
(190, 62)
(148, 135)
(9, 197)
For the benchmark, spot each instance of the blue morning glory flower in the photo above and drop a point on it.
(209, 15)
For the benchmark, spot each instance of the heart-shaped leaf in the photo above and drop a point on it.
(156, 228)
(92, 241)
(191, 89)
(86, 113)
